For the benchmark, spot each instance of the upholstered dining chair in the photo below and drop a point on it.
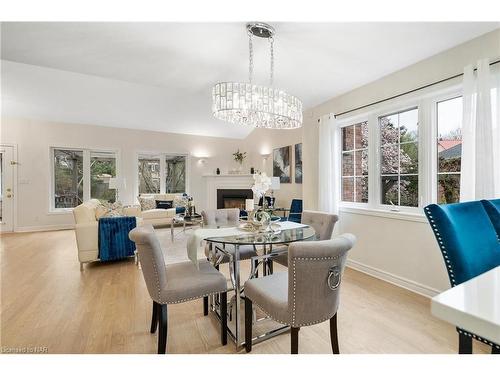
(175, 283)
(307, 294)
(322, 222)
(224, 217)
(469, 245)
(492, 208)
(295, 213)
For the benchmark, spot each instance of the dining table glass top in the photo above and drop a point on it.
(283, 236)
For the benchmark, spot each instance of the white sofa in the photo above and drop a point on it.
(156, 216)
(86, 230)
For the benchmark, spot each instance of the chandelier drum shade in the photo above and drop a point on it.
(260, 106)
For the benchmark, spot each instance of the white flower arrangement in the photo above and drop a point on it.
(261, 185)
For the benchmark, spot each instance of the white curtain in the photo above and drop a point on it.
(480, 177)
(329, 165)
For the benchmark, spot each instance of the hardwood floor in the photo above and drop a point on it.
(47, 302)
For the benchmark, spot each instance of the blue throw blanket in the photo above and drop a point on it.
(113, 237)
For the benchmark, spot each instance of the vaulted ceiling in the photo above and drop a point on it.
(158, 76)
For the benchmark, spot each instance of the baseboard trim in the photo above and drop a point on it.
(402, 282)
(44, 228)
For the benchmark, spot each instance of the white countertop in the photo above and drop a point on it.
(473, 305)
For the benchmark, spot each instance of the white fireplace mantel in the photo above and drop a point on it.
(224, 181)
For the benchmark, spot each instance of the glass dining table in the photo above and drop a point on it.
(263, 242)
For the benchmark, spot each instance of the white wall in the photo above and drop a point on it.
(401, 251)
(35, 137)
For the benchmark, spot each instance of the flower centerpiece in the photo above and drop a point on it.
(262, 183)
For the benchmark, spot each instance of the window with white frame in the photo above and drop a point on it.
(399, 158)
(102, 169)
(79, 175)
(149, 175)
(162, 173)
(68, 178)
(175, 173)
(355, 163)
(449, 149)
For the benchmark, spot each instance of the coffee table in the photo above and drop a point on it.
(194, 220)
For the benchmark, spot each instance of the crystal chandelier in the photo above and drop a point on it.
(259, 106)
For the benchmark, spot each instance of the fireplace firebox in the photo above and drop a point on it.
(233, 198)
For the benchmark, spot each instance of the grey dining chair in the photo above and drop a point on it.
(322, 222)
(175, 283)
(307, 294)
(224, 217)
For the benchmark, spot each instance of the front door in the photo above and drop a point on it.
(7, 163)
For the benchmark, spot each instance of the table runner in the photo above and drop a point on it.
(199, 235)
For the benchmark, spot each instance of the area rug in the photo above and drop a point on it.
(175, 251)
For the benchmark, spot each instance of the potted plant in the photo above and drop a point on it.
(239, 157)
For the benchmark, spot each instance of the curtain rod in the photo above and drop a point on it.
(407, 92)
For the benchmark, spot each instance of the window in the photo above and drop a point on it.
(175, 173)
(68, 178)
(102, 168)
(149, 175)
(449, 149)
(399, 158)
(355, 163)
(79, 175)
(162, 173)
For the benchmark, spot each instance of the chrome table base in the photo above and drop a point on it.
(234, 269)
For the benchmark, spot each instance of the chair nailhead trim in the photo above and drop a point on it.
(190, 298)
(288, 323)
(478, 338)
(270, 315)
(295, 285)
(162, 302)
(157, 278)
(441, 247)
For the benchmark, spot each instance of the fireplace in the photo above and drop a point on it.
(233, 198)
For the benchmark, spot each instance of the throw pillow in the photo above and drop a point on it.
(100, 211)
(106, 209)
(180, 201)
(147, 203)
(164, 204)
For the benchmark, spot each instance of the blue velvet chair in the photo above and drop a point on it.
(295, 213)
(470, 247)
(493, 209)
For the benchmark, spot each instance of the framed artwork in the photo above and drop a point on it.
(281, 164)
(298, 163)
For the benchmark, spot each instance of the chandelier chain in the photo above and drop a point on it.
(271, 40)
(250, 58)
